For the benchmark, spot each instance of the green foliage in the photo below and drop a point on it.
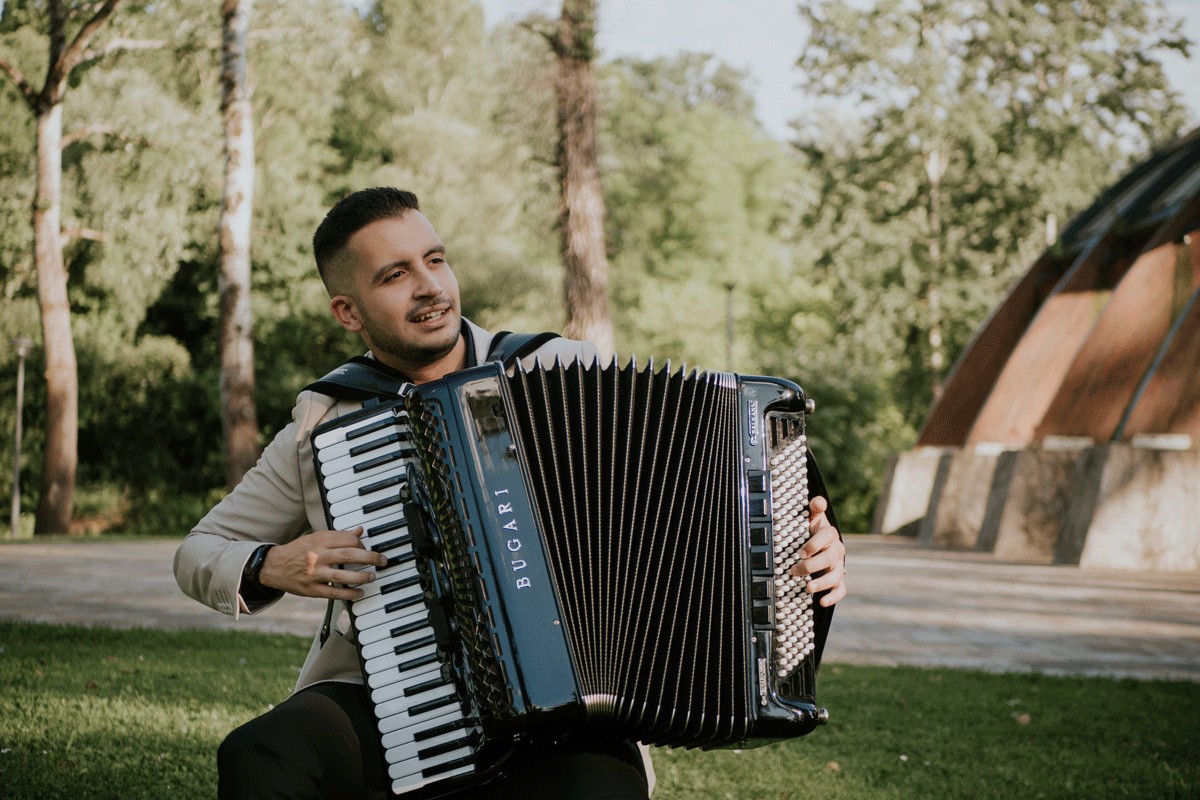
(695, 193)
(139, 714)
(824, 250)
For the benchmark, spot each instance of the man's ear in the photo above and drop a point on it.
(345, 311)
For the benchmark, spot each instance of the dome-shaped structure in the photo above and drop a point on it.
(1081, 390)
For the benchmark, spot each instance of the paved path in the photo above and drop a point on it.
(908, 605)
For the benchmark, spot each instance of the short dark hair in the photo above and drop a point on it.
(353, 213)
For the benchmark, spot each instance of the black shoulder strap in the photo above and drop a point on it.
(508, 347)
(363, 378)
(360, 378)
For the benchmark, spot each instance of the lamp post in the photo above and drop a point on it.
(729, 287)
(21, 344)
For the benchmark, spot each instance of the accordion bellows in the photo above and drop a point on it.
(609, 547)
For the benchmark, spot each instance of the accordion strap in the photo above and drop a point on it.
(507, 347)
(360, 378)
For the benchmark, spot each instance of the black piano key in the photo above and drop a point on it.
(403, 583)
(411, 627)
(433, 733)
(375, 444)
(386, 458)
(446, 747)
(432, 705)
(391, 480)
(390, 544)
(403, 558)
(415, 644)
(449, 766)
(407, 602)
(430, 685)
(388, 527)
(371, 508)
(377, 425)
(423, 661)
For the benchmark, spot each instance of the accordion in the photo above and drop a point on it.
(578, 546)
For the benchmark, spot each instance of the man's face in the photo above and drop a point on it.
(400, 293)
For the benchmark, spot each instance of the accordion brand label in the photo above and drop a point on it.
(504, 509)
(752, 421)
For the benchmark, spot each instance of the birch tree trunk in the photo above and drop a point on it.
(62, 382)
(61, 454)
(239, 421)
(581, 205)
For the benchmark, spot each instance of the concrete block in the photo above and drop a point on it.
(1030, 517)
(1146, 514)
(907, 489)
(959, 506)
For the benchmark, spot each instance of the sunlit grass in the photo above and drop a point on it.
(92, 713)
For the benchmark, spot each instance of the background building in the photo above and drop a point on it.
(1069, 430)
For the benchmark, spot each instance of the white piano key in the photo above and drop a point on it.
(386, 623)
(411, 783)
(399, 715)
(357, 502)
(340, 457)
(375, 440)
(379, 599)
(407, 767)
(344, 491)
(397, 719)
(390, 691)
(339, 434)
(381, 616)
(395, 675)
(364, 470)
(388, 576)
(391, 541)
(396, 756)
(352, 520)
(346, 476)
(384, 664)
(390, 643)
(402, 736)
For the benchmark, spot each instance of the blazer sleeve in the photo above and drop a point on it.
(267, 506)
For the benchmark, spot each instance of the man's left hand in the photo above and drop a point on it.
(823, 556)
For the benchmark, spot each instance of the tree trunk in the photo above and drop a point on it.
(581, 206)
(935, 167)
(239, 420)
(62, 387)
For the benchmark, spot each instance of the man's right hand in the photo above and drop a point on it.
(312, 565)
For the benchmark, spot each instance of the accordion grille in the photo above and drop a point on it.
(655, 622)
(480, 670)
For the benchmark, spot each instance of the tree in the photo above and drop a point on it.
(581, 210)
(238, 419)
(469, 129)
(957, 129)
(696, 193)
(976, 120)
(65, 54)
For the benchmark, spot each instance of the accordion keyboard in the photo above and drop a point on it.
(425, 727)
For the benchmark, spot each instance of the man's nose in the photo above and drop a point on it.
(426, 284)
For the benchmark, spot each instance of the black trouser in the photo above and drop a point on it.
(321, 743)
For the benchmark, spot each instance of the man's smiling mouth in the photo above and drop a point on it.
(430, 316)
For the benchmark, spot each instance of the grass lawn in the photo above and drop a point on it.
(96, 713)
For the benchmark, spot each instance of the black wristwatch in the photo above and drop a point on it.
(254, 566)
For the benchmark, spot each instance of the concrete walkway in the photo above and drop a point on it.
(908, 605)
